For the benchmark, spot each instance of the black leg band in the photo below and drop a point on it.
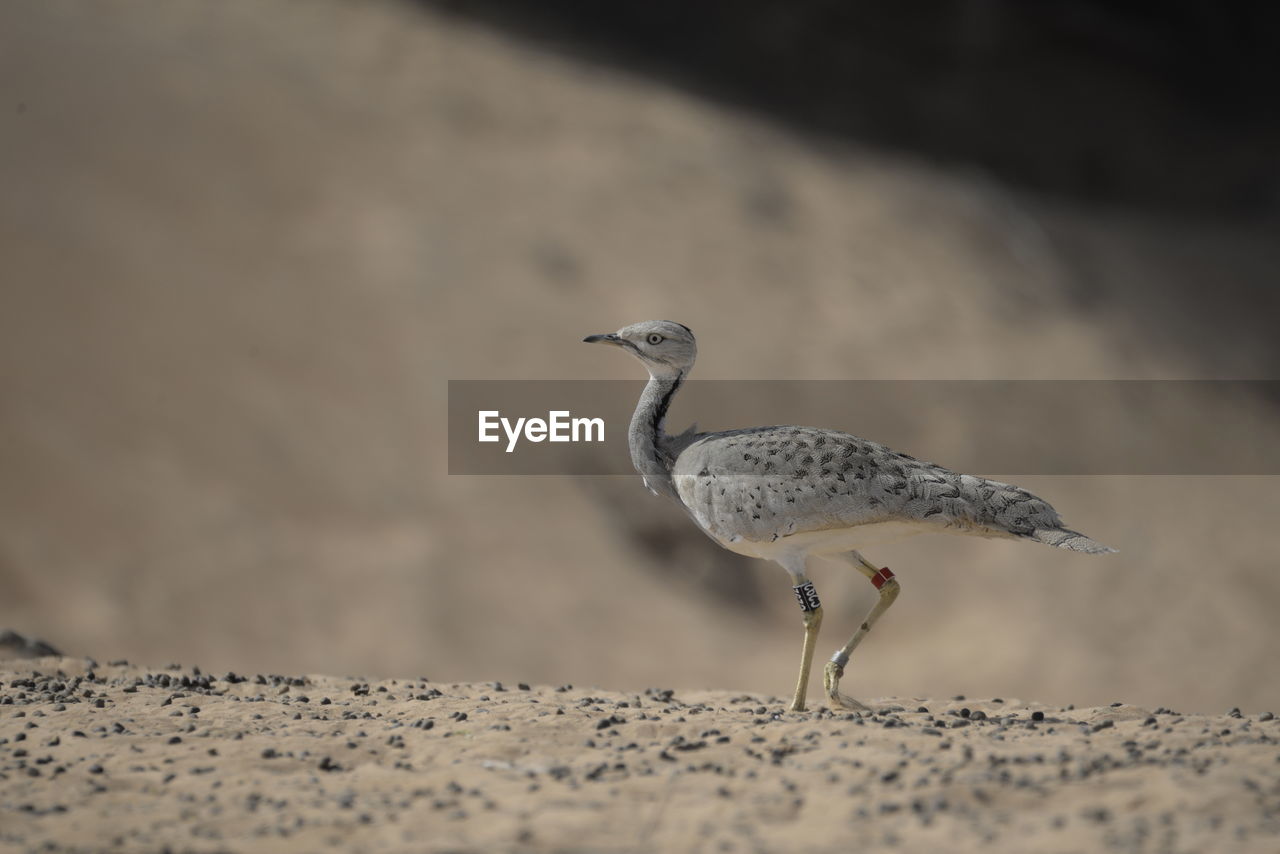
(807, 596)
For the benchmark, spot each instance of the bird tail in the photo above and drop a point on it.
(1064, 538)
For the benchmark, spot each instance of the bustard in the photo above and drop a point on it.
(785, 493)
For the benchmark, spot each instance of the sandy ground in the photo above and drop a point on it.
(118, 757)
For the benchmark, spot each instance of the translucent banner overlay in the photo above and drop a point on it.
(1029, 427)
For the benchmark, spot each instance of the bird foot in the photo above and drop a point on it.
(831, 682)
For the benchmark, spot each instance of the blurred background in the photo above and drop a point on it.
(244, 245)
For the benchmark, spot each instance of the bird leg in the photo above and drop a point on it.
(888, 586)
(807, 594)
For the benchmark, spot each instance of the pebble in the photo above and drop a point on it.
(665, 739)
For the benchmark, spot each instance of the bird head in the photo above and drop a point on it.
(666, 348)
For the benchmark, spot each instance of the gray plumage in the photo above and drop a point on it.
(765, 483)
(761, 485)
(788, 493)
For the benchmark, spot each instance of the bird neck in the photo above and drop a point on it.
(646, 433)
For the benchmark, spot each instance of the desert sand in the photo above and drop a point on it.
(118, 757)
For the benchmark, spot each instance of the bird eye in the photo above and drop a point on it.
(654, 338)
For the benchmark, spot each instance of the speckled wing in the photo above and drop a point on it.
(766, 483)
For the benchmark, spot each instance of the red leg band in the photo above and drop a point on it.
(881, 577)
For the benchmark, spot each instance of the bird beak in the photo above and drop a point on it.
(609, 338)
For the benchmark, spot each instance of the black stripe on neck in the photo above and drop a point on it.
(660, 412)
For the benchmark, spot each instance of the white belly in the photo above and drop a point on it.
(834, 541)
(840, 540)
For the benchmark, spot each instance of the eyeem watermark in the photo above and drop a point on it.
(559, 426)
(994, 428)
